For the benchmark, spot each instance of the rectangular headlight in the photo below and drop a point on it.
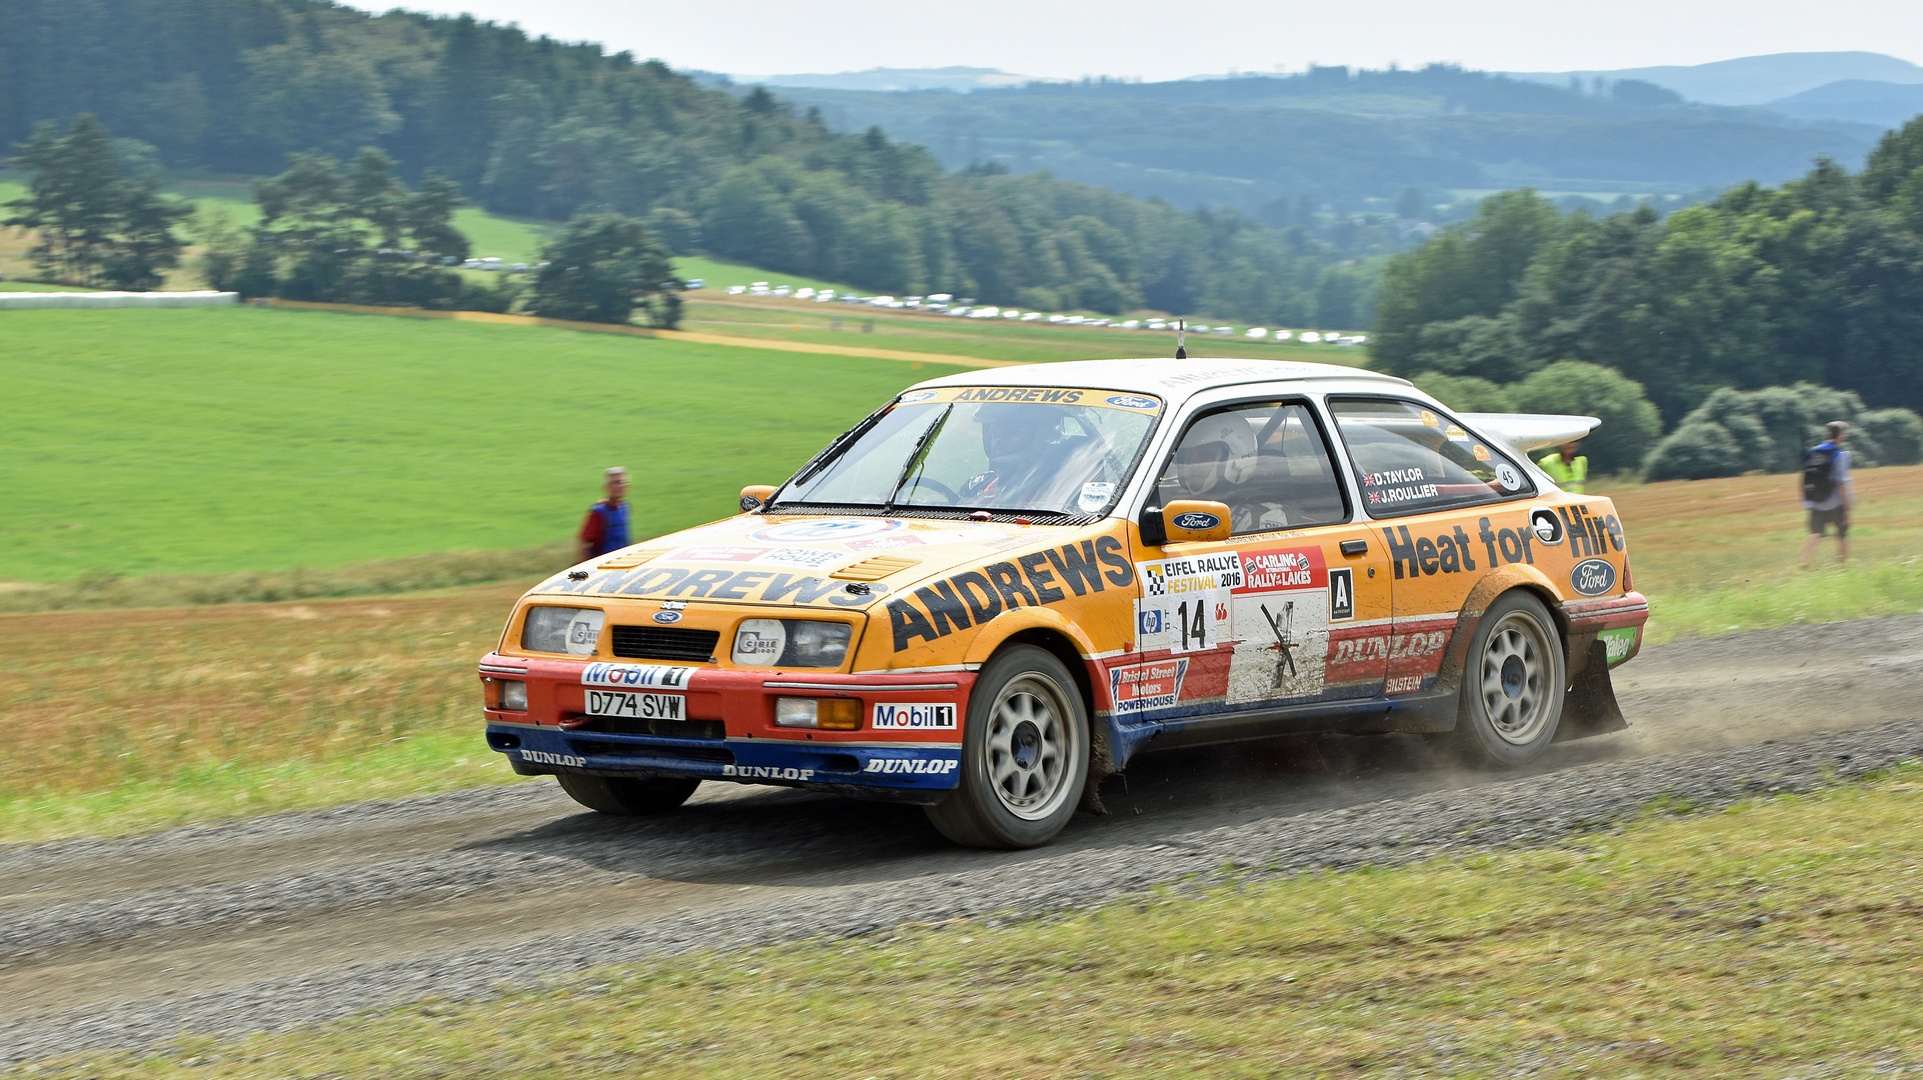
(574, 631)
(825, 713)
(804, 643)
(513, 695)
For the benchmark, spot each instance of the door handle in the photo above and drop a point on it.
(1353, 548)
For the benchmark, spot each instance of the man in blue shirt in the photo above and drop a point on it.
(1833, 509)
(606, 527)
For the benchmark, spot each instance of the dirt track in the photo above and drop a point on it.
(280, 920)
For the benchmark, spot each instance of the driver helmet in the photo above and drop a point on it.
(1013, 433)
(1217, 452)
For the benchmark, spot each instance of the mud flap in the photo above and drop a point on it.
(1591, 708)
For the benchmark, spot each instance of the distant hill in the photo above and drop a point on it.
(1864, 101)
(1331, 135)
(958, 79)
(1752, 80)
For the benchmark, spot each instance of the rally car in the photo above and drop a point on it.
(1003, 585)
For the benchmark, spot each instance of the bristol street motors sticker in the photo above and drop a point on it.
(1185, 602)
(1140, 687)
(1280, 625)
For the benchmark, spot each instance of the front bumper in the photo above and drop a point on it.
(729, 733)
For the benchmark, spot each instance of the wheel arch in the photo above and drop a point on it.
(1049, 631)
(1486, 592)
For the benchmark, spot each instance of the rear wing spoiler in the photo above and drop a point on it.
(1532, 431)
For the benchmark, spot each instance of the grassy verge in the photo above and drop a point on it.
(1716, 556)
(125, 720)
(1777, 938)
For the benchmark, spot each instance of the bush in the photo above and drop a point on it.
(1464, 393)
(1695, 451)
(602, 269)
(1630, 424)
(1897, 433)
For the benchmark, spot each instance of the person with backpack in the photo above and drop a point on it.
(1828, 491)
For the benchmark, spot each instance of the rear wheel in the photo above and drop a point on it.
(624, 795)
(1024, 754)
(1513, 684)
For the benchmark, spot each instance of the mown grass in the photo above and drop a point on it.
(126, 720)
(1777, 938)
(1716, 556)
(216, 440)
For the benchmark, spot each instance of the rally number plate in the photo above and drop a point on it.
(637, 706)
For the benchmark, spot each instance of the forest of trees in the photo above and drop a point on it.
(535, 127)
(1820, 280)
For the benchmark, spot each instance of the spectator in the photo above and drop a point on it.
(1828, 491)
(1568, 471)
(606, 527)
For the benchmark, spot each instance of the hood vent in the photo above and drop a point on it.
(874, 569)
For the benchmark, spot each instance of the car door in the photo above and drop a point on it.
(1282, 612)
(1431, 486)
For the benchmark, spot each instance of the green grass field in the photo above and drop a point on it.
(1774, 939)
(224, 439)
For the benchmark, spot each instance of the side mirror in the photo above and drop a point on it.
(754, 496)
(1186, 521)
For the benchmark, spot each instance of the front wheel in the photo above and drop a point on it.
(1513, 684)
(626, 796)
(1024, 754)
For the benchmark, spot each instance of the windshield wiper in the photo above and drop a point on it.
(834, 449)
(915, 455)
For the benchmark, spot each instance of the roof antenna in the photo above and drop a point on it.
(1181, 332)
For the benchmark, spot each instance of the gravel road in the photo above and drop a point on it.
(276, 921)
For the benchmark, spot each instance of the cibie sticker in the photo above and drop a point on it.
(803, 532)
(935, 716)
(605, 674)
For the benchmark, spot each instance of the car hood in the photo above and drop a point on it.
(799, 560)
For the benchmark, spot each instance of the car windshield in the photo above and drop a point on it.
(1052, 450)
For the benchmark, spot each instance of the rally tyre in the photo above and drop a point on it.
(626, 796)
(1024, 754)
(1513, 684)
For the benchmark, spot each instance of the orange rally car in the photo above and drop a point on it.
(1003, 585)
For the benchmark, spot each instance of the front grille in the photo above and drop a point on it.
(595, 748)
(665, 729)
(665, 643)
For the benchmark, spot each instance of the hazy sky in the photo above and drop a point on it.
(1170, 40)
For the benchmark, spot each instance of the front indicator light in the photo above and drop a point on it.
(513, 695)
(823, 713)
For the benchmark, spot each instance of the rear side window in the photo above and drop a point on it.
(1410, 458)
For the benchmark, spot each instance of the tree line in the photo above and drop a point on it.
(1819, 281)
(535, 127)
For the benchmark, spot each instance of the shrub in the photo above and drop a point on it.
(602, 269)
(1695, 451)
(1464, 393)
(1630, 424)
(1897, 433)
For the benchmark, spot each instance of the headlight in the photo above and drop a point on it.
(561, 630)
(807, 643)
(513, 695)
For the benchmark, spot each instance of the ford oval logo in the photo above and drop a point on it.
(1196, 521)
(667, 616)
(750, 504)
(1593, 577)
(1133, 401)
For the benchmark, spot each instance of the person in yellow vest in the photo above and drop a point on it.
(1569, 471)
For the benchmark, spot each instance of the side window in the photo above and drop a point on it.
(1268, 462)
(1411, 459)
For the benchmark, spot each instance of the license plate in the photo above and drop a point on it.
(637, 706)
